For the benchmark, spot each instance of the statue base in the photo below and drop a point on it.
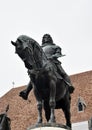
(48, 126)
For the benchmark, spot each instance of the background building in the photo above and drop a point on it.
(24, 113)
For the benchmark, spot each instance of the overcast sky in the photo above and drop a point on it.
(68, 21)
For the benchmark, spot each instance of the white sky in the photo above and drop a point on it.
(68, 21)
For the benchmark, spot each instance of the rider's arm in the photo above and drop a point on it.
(57, 53)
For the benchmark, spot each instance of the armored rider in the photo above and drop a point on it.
(53, 52)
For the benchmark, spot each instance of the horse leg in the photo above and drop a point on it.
(39, 104)
(47, 110)
(67, 116)
(52, 102)
(66, 110)
(24, 93)
(39, 107)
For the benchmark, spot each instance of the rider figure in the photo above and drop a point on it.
(53, 52)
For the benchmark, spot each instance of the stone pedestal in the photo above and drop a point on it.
(48, 126)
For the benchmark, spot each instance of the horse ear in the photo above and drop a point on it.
(19, 40)
(13, 43)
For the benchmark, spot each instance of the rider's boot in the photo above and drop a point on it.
(71, 89)
(65, 77)
(70, 86)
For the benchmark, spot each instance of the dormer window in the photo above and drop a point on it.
(80, 107)
(81, 104)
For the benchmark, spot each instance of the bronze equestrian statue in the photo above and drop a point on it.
(49, 86)
(53, 52)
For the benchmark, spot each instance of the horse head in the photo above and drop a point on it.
(29, 51)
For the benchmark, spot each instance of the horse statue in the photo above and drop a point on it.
(5, 121)
(49, 88)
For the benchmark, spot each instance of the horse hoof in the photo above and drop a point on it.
(52, 121)
(38, 124)
(69, 125)
(23, 95)
(39, 121)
